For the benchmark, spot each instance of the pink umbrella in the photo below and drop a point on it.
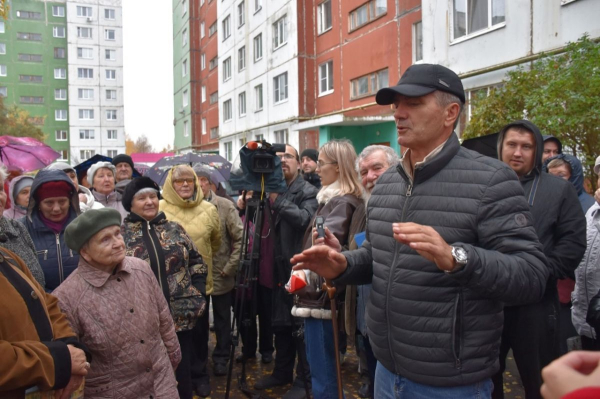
(25, 153)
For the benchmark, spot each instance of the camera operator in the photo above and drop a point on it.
(292, 212)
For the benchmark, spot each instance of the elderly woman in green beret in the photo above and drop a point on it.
(116, 308)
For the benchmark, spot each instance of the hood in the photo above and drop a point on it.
(576, 170)
(45, 176)
(170, 195)
(552, 138)
(90, 197)
(539, 145)
(11, 188)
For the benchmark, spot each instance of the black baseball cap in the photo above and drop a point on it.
(421, 79)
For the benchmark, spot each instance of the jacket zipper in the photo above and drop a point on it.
(61, 274)
(456, 330)
(44, 251)
(156, 255)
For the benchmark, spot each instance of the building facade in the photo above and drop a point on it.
(52, 56)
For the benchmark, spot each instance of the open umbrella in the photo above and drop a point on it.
(85, 165)
(485, 145)
(25, 153)
(158, 172)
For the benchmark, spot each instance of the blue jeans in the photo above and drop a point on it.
(320, 352)
(393, 386)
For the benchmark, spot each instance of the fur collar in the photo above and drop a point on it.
(328, 192)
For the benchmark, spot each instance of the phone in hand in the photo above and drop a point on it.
(320, 221)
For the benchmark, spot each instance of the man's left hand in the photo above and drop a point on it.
(427, 242)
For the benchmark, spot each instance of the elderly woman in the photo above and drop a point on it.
(117, 309)
(18, 192)
(101, 175)
(86, 199)
(37, 346)
(53, 204)
(175, 261)
(183, 202)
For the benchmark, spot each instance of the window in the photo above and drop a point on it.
(111, 114)
(258, 47)
(280, 84)
(84, 11)
(60, 94)
(87, 134)
(241, 58)
(29, 15)
(241, 14)
(25, 78)
(203, 93)
(279, 32)
(58, 11)
(64, 155)
(184, 68)
(214, 97)
(109, 13)
(60, 135)
(85, 52)
(228, 150)
(227, 111)
(184, 38)
(60, 73)
(369, 84)
(2, 28)
(110, 55)
(202, 30)
(30, 57)
(111, 94)
(226, 27)
(281, 136)
(85, 94)
(186, 129)
(214, 132)
(257, 5)
(258, 97)
(324, 16)
(202, 62)
(111, 134)
(326, 78)
(242, 103)
(3, 91)
(185, 99)
(60, 52)
(213, 63)
(3, 70)
(34, 37)
(85, 73)
(31, 100)
(203, 126)
(111, 74)
(86, 114)
(84, 33)
(367, 13)
(227, 69)
(212, 29)
(60, 114)
(111, 153)
(418, 41)
(470, 16)
(86, 154)
(2, 48)
(58, 31)
(184, 8)
(109, 34)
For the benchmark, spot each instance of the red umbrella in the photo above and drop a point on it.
(25, 153)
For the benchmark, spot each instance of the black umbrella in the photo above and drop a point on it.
(485, 145)
(158, 172)
(85, 165)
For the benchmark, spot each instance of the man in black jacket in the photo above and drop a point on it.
(309, 167)
(532, 330)
(449, 240)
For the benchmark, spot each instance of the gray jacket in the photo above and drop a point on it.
(437, 328)
(587, 275)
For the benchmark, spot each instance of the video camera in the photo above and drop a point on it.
(258, 168)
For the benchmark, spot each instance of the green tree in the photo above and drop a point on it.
(14, 121)
(560, 94)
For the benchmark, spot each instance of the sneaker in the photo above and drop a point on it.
(269, 382)
(220, 369)
(295, 392)
(203, 390)
(267, 358)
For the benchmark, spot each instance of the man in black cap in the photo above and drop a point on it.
(124, 165)
(309, 166)
(449, 241)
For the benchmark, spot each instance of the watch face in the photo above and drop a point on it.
(460, 255)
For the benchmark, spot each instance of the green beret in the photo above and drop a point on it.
(86, 225)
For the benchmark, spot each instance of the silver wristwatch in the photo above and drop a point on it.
(460, 257)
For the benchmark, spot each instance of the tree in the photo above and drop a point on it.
(560, 94)
(168, 148)
(14, 121)
(129, 145)
(4, 9)
(142, 144)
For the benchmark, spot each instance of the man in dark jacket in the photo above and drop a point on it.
(532, 330)
(309, 167)
(449, 240)
(552, 147)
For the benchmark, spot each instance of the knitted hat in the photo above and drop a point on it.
(134, 187)
(98, 165)
(122, 158)
(24, 182)
(311, 153)
(53, 189)
(65, 167)
(86, 225)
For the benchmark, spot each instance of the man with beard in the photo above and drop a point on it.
(309, 167)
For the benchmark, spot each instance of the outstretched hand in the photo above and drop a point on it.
(427, 242)
(575, 370)
(330, 240)
(321, 259)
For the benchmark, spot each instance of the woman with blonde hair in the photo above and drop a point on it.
(339, 197)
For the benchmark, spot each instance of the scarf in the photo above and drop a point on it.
(328, 192)
(57, 227)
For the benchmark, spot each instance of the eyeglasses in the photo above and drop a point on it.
(320, 164)
(286, 156)
(180, 182)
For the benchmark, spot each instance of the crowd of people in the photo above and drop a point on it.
(433, 263)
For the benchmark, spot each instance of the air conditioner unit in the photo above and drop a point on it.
(89, 19)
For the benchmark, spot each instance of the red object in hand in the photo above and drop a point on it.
(296, 283)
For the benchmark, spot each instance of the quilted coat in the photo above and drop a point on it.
(18, 240)
(124, 320)
(33, 333)
(175, 261)
(436, 328)
(198, 217)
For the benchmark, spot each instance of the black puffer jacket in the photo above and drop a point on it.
(432, 327)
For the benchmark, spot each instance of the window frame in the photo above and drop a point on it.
(259, 47)
(60, 92)
(280, 36)
(81, 29)
(241, 9)
(108, 134)
(59, 136)
(107, 34)
(83, 93)
(81, 51)
(114, 14)
(242, 104)
(84, 11)
(371, 14)
(226, 26)
(111, 92)
(56, 11)
(112, 72)
(86, 114)
(111, 115)
(322, 17)
(490, 25)
(62, 73)
(371, 91)
(241, 58)
(258, 98)
(61, 115)
(55, 30)
(277, 90)
(329, 78)
(226, 69)
(227, 111)
(87, 134)
(85, 71)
